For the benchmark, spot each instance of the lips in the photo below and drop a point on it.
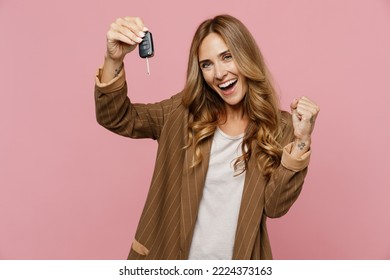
(227, 84)
(228, 87)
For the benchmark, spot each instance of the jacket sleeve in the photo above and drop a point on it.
(285, 184)
(117, 113)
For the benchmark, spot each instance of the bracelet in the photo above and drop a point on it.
(118, 70)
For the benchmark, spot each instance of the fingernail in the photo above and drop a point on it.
(141, 34)
(145, 29)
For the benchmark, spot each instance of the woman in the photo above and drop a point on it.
(227, 159)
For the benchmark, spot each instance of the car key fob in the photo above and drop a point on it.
(146, 48)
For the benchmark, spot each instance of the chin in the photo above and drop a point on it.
(235, 100)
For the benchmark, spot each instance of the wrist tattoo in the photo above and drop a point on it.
(118, 70)
(301, 145)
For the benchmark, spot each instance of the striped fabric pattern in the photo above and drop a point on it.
(167, 222)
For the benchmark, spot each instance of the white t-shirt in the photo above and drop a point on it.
(215, 227)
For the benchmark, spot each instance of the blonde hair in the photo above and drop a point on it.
(260, 102)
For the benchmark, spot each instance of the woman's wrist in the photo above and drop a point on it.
(300, 146)
(111, 69)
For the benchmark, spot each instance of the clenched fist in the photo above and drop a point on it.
(304, 113)
(123, 37)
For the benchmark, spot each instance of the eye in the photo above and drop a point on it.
(227, 57)
(205, 65)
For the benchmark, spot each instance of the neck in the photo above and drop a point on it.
(235, 113)
(234, 122)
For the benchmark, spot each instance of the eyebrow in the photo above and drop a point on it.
(220, 55)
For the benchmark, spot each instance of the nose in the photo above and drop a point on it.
(220, 71)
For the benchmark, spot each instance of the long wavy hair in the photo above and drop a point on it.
(261, 105)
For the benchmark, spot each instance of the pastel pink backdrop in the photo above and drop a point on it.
(70, 189)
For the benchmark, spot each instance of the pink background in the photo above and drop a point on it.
(70, 189)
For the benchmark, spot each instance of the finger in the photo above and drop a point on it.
(131, 35)
(308, 102)
(308, 116)
(294, 104)
(120, 33)
(302, 107)
(305, 103)
(141, 24)
(136, 25)
(129, 29)
(305, 115)
(115, 35)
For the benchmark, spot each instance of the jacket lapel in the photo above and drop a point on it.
(192, 187)
(250, 212)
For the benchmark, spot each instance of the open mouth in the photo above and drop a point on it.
(228, 85)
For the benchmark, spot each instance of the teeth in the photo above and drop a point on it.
(226, 84)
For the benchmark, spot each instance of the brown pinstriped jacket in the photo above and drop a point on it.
(167, 222)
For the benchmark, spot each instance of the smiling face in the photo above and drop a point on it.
(220, 72)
